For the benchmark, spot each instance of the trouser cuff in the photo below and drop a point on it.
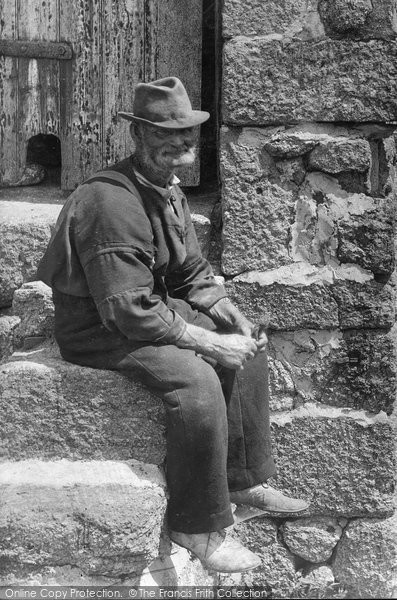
(204, 524)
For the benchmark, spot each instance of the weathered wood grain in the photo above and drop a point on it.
(123, 61)
(8, 97)
(38, 79)
(81, 24)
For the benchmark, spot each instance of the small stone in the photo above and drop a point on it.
(344, 16)
(32, 303)
(313, 539)
(291, 145)
(336, 156)
(367, 239)
(25, 229)
(33, 174)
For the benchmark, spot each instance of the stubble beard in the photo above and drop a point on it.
(157, 164)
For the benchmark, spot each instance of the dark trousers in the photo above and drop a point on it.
(218, 436)
(217, 420)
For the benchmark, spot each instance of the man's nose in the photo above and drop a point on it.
(180, 139)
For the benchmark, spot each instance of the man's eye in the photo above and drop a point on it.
(161, 134)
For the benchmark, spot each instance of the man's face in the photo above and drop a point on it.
(166, 149)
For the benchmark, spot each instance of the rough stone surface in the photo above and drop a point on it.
(8, 325)
(276, 215)
(51, 408)
(291, 145)
(257, 213)
(359, 19)
(366, 558)
(343, 461)
(312, 539)
(277, 574)
(318, 582)
(369, 305)
(32, 303)
(341, 155)
(367, 240)
(289, 307)
(25, 230)
(173, 567)
(256, 17)
(313, 19)
(354, 369)
(102, 517)
(347, 304)
(267, 81)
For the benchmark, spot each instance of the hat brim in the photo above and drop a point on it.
(197, 117)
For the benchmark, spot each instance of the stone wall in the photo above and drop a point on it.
(308, 169)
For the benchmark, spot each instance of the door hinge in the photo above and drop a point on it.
(36, 49)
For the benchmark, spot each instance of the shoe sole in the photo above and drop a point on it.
(210, 568)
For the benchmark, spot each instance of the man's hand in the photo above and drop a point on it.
(233, 350)
(229, 350)
(226, 314)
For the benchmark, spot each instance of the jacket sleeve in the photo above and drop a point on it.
(114, 242)
(194, 281)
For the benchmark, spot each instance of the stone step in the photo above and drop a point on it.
(27, 216)
(338, 458)
(51, 408)
(103, 518)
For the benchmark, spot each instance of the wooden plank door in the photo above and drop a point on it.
(29, 87)
(116, 44)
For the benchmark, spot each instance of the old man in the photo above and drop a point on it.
(133, 293)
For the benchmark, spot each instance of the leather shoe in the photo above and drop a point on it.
(217, 551)
(268, 499)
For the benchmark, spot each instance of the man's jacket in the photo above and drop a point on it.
(118, 244)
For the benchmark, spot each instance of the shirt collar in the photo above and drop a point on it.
(165, 192)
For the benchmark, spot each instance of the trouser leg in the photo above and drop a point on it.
(197, 434)
(246, 394)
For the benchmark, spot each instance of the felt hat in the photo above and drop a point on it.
(164, 103)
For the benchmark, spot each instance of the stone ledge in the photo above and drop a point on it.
(52, 408)
(102, 517)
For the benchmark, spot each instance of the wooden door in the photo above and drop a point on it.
(116, 44)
